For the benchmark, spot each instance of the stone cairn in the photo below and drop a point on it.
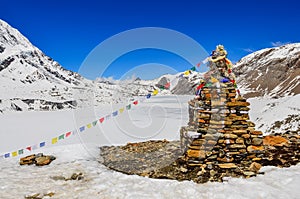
(219, 135)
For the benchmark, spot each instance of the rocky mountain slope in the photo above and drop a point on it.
(272, 71)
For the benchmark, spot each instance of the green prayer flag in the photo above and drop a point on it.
(61, 137)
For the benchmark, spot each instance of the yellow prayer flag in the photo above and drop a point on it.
(89, 126)
(54, 140)
(121, 110)
(214, 80)
(187, 72)
(155, 92)
(14, 154)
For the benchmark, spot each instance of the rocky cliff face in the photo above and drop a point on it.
(272, 71)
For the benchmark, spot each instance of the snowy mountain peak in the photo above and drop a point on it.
(12, 37)
(271, 71)
(20, 61)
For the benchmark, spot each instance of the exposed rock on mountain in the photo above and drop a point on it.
(272, 71)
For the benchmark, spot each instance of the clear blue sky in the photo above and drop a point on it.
(68, 30)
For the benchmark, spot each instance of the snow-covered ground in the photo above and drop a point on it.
(157, 118)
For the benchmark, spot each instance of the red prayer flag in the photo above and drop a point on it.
(200, 86)
(28, 148)
(135, 102)
(167, 85)
(68, 134)
(101, 119)
(198, 65)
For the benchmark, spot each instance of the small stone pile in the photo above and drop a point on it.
(38, 159)
(219, 133)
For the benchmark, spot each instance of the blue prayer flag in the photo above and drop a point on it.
(42, 144)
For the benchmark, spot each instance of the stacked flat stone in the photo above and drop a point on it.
(219, 132)
(282, 150)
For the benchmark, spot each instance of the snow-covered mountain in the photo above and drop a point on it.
(32, 80)
(272, 71)
(270, 78)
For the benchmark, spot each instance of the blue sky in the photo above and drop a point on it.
(68, 31)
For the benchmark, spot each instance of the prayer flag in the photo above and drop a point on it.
(193, 68)
(148, 96)
(135, 102)
(28, 148)
(101, 119)
(121, 110)
(34, 147)
(7, 155)
(128, 107)
(14, 154)
(107, 117)
(68, 134)
(81, 128)
(155, 92)
(198, 65)
(187, 72)
(75, 132)
(21, 151)
(225, 80)
(89, 126)
(94, 123)
(115, 113)
(181, 75)
(61, 137)
(167, 86)
(214, 80)
(42, 144)
(54, 140)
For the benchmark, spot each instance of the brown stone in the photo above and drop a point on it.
(255, 167)
(228, 141)
(211, 142)
(237, 146)
(227, 166)
(225, 159)
(215, 103)
(274, 141)
(234, 152)
(27, 160)
(230, 136)
(42, 161)
(242, 150)
(216, 126)
(239, 140)
(251, 124)
(246, 136)
(256, 133)
(255, 149)
(209, 137)
(196, 154)
(257, 141)
(240, 132)
(202, 121)
(230, 104)
(256, 159)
